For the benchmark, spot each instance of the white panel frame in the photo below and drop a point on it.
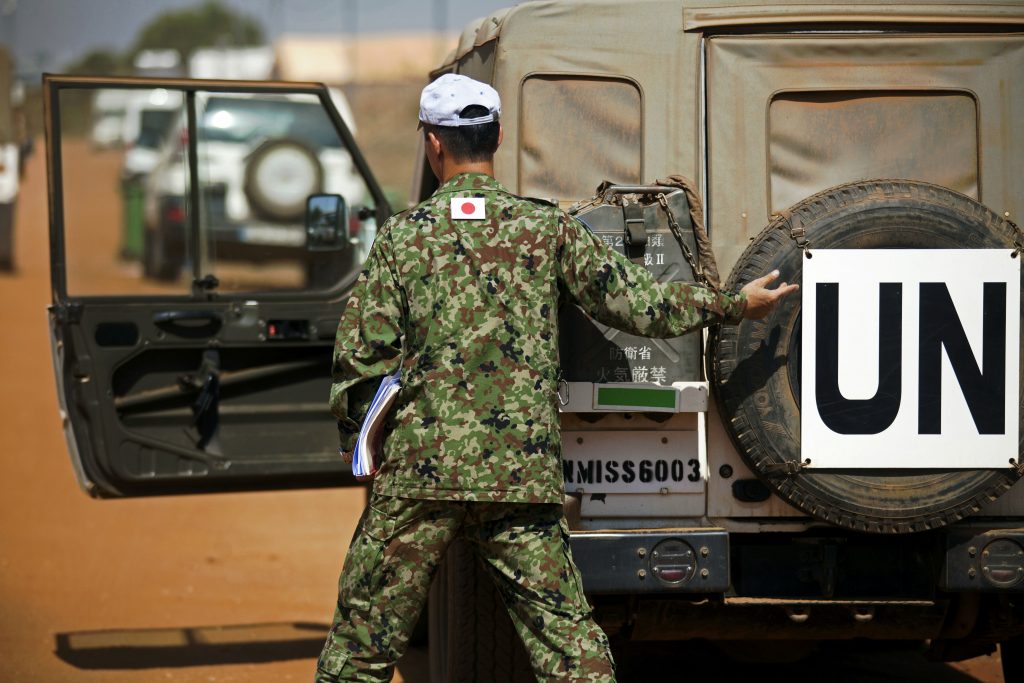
(859, 272)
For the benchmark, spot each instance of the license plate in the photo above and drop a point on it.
(632, 462)
(273, 235)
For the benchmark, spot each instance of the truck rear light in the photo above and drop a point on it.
(673, 561)
(1002, 562)
(174, 213)
(672, 575)
(979, 559)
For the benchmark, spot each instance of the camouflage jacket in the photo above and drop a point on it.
(468, 308)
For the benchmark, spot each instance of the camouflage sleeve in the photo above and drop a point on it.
(368, 344)
(622, 294)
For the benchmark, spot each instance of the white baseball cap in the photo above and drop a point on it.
(442, 102)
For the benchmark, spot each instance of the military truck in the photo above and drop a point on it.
(844, 469)
(15, 145)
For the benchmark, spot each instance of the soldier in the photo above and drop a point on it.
(461, 293)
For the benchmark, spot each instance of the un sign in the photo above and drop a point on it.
(910, 358)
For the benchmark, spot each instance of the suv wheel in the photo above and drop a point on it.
(162, 258)
(1011, 652)
(7, 237)
(321, 270)
(471, 636)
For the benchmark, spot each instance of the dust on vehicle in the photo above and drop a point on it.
(830, 472)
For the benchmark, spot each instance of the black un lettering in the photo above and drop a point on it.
(859, 416)
(984, 389)
(939, 327)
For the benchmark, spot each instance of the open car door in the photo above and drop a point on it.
(194, 308)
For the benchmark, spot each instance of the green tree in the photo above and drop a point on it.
(207, 25)
(100, 62)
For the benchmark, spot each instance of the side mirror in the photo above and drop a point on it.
(326, 222)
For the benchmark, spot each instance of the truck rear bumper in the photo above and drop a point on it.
(698, 560)
(660, 561)
(678, 583)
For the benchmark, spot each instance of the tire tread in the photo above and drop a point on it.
(725, 348)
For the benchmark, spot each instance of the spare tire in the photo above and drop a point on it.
(755, 366)
(279, 176)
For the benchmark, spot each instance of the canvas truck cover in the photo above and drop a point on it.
(639, 93)
(763, 105)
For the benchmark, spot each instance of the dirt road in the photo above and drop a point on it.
(203, 588)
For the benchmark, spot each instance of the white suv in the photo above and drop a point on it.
(259, 157)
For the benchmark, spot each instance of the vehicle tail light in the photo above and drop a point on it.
(1002, 562)
(174, 213)
(673, 561)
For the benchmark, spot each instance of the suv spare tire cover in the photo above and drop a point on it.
(279, 176)
(755, 366)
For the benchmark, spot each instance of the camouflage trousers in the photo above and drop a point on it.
(393, 557)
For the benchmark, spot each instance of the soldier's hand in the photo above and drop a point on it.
(760, 300)
(346, 457)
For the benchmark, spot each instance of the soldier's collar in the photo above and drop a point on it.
(464, 182)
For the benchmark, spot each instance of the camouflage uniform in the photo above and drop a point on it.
(468, 309)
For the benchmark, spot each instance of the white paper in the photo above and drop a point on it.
(367, 455)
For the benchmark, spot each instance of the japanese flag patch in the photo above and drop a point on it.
(468, 208)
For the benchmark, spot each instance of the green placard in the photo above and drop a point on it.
(630, 397)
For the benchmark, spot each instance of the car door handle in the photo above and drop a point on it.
(171, 317)
(189, 324)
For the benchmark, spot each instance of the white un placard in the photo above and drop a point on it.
(910, 358)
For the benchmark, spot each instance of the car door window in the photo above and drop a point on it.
(134, 225)
(259, 157)
(110, 142)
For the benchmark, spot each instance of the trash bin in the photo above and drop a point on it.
(134, 221)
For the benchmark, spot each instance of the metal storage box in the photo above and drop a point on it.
(592, 352)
